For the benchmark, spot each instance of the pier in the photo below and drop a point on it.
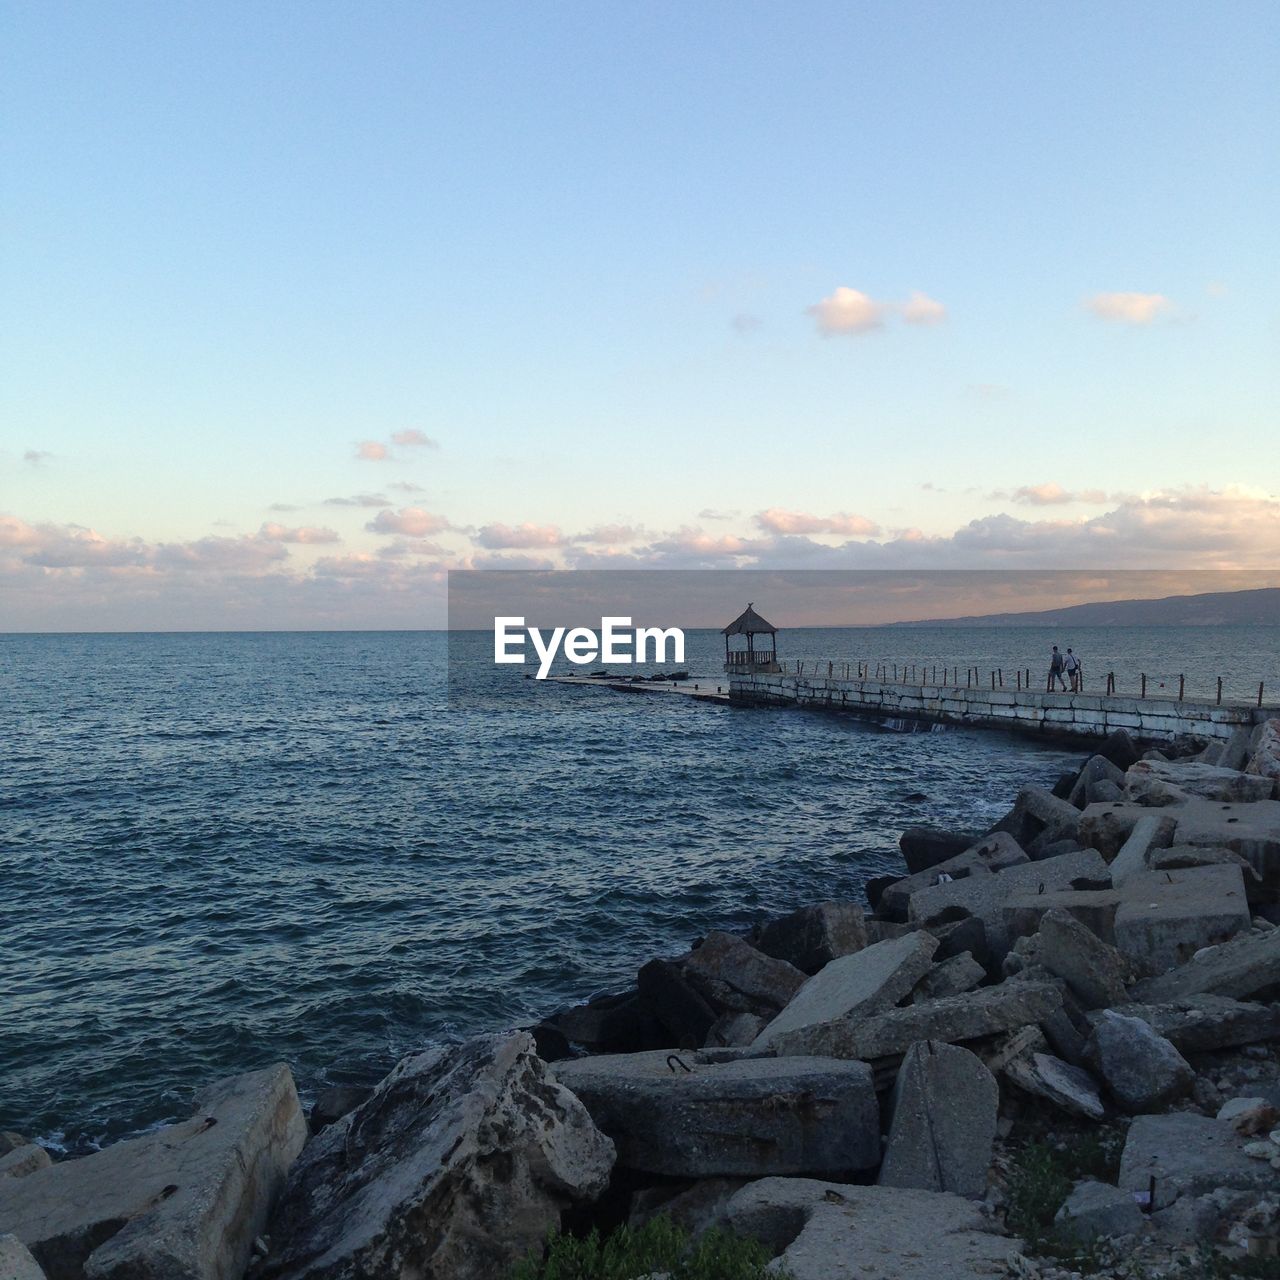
(1082, 715)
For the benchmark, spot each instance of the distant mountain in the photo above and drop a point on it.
(1216, 608)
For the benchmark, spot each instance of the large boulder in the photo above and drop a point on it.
(856, 985)
(16, 1262)
(1106, 825)
(993, 853)
(1158, 783)
(1120, 748)
(1068, 1087)
(943, 1126)
(1096, 1209)
(950, 978)
(680, 1010)
(1096, 769)
(1142, 1070)
(954, 1019)
(731, 975)
(1242, 967)
(1251, 830)
(1094, 971)
(925, 847)
(834, 1231)
(814, 936)
(1184, 1154)
(460, 1162)
(184, 1202)
(1265, 760)
(23, 1161)
(1198, 1024)
(684, 1116)
(1154, 831)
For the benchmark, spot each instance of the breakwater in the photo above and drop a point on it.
(1078, 715)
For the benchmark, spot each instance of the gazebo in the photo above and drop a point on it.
(754, 657)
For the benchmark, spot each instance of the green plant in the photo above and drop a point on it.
(659, 1246)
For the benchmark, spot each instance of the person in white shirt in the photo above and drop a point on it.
(1075, 671)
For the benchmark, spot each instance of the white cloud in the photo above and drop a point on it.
(360, 500)
(372, 451)
(919, 308)
(1129, 308)
(303, 536)
(1052, 495)
(848, 311)
(413, 438)
(776, 520)
(523, 536)
(36, 456)
(413, 522)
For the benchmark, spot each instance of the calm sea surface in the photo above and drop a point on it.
(221, 850)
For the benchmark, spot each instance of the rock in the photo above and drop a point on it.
(616, 1023)
(874, 889)
(1188, 1155)
(1235, 755)
(1120, 748)
(856, 985)
(551, 1043)
(694, 1207)
(1094, 971)
(993, 853)
(680, 1010)
(954, 939)
(1247, 964)
(460, 1162)
(750, 1117)
(887, 931)
(184, 1202)
(1265, 761)
(1142, 1070)
(22, 1161)
(334, 1102)
(730, 974)
(925, 847)
(1094, 908)
(10, 1141)
(1251, 830)
(1190, 1220)
(1044, 808)
(814, 936)
(1104, 792)
(1152, 831)
(1096, 769)
(834, 1231)
(1157, 783)
(954, 1019)
(1067, 1031)
(1095, 1209)
(734, 1031)
(1199, 1024)
(987, 896)
(1179, 857)
(16, 1262)
(1070, 1088)
(1105, 826)
(943, 1126)
(950, 978)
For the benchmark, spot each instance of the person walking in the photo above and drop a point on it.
(1055, 671)
(1071, 665)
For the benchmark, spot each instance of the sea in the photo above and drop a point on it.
(222, 850)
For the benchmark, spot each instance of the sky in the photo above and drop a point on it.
(306, 304)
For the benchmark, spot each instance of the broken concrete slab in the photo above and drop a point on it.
(684, 1014)
(1070, 1088)
(750, 1117)
(1094, 908)
(925, 847)
(1165, 917)
(23, 1161)
(1096, 769)
(987, 896)
(1188, 1155)
(834, 1231)
(1240, 968)
(1158, 783)
(1120, 748)
(1095, 1209)
(1198, 1024)
(943, 1108)
(991, 854)
(1095, 972)
(1105, 826)
(852, 986)
(16, 1262)
(1153, 831)
(1238, 748)
(954, 1019)
(950, 978)
(730, 974)
(461, 1160)
(1142, 1070)
(1251, 830)
(185, 1201)
(1265, 759)
(813, 936)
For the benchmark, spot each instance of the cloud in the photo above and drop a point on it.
(919, 308)
(1051, 495)
(406, 486)
(1129, 308)
(36, 456)
(413, 438)
(360, 500)
(412, 522)
(848, 311)
(744, 322)
(304, 536)
(497, 537)
(283, 507)
(710, 513)
(776, 520)
(609, 534)
(372, 451)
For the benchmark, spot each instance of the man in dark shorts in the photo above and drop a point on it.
(1055, 671)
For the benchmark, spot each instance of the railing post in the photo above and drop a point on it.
(1259, 693)
(1144, 684)
(1219, 691)
(1182, 686)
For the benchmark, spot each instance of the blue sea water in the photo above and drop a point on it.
(220, 850)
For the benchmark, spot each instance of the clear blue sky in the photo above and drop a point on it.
(578, 245)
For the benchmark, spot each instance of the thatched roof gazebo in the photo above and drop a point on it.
(747, 654)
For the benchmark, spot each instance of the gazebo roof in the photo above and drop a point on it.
(749, 623)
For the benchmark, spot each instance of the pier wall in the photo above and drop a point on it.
(1085, 715)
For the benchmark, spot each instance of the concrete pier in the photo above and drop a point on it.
(1084, 715)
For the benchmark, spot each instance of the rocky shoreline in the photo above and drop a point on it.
(1048, 1049)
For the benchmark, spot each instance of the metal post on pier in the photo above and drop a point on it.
(1219, 691)
(1144, 684)
(1182, 686)
(1260, 693)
